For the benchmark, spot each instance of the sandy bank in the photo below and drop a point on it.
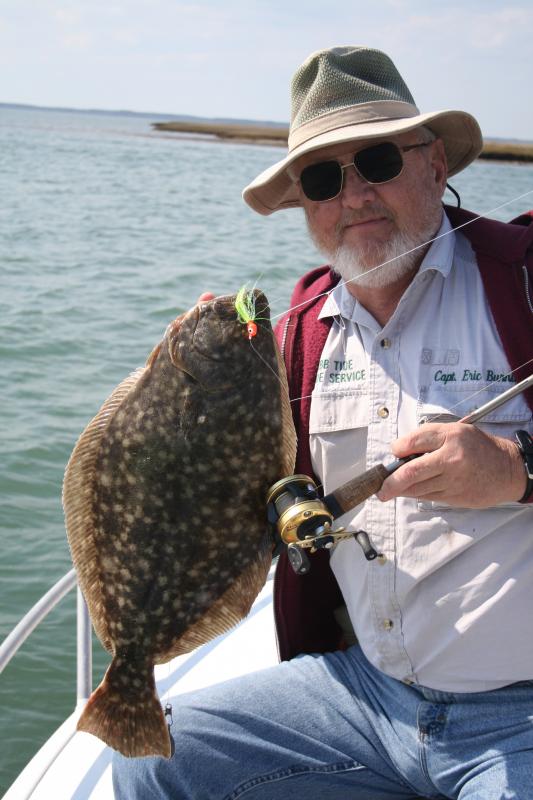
(267, 134)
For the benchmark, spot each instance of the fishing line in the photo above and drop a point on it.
(247, 314)
(258, 354)
(459, 402)
(434, 419)
(484, 215)
(414, 249)
(452, 408)
(407, 252)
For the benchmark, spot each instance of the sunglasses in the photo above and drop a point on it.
(379, 163)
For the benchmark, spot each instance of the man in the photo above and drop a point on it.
(426, 322)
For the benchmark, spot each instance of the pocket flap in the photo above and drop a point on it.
(338, 411)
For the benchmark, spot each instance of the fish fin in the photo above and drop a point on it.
(127, 718)
(153, 355)
(288, 432)
(168, 340)
(78, 506)
(228, 610)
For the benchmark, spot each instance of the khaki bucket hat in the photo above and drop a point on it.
(350, 93)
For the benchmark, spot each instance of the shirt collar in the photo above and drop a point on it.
(439, 257)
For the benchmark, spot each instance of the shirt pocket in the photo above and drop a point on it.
(338, 426)
(502, 422)
(338, 411)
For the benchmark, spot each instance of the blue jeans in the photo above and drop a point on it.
(332, 727)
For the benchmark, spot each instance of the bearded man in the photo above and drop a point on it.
(412, 673)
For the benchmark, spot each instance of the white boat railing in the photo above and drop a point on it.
(35, 616)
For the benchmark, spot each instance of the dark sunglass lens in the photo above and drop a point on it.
(321, 181)
(380, 163)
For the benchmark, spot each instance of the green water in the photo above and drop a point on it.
(107, 232)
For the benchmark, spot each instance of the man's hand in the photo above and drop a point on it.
(205, 297)
(461, 466)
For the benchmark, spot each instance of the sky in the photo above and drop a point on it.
(235, 58)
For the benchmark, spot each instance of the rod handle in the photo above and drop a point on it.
(356, 491)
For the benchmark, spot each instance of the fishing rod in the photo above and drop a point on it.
(303, 520)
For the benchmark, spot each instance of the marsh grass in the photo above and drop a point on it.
(269, 134)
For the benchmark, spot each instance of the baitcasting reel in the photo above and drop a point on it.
(303, 520)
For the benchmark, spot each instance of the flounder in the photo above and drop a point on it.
(164, 499)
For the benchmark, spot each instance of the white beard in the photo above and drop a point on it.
(381, 264)
(392, 261)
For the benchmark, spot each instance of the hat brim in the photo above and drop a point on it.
(274, 189)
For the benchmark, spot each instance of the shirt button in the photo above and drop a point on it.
(385, 343)
(382, 559)
(388, 624)
(383, 412)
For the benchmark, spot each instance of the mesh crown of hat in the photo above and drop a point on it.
(331, 80)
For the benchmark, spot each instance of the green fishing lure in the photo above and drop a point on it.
(246, 311)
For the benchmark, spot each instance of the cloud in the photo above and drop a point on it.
(236, 58)
(66, 17)
(495, 30)
(466, 27)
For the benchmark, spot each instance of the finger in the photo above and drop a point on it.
(424, 439)
(205, 297)
(432, 489)
(412, 478)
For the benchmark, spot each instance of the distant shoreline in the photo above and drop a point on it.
(277, 136)
(262, 133)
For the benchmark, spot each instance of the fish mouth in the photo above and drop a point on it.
(222, 311)
(199, 344)
(172, 335)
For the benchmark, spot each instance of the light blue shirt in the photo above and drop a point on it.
(450, 602)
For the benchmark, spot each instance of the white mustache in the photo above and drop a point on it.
(356, 215)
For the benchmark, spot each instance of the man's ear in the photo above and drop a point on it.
(439, 164)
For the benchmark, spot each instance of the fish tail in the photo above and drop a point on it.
(125, 712)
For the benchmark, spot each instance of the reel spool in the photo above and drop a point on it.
(303, 521)
(295, 508)
(299, 516)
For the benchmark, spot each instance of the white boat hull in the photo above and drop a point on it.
(77, 766)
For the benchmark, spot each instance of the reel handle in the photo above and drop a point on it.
(298, 559)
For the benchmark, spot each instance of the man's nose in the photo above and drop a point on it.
(355, 190)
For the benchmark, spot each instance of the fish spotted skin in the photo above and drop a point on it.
(164, 500)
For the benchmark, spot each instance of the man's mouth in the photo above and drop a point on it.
(361, 222)
(368, 221)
